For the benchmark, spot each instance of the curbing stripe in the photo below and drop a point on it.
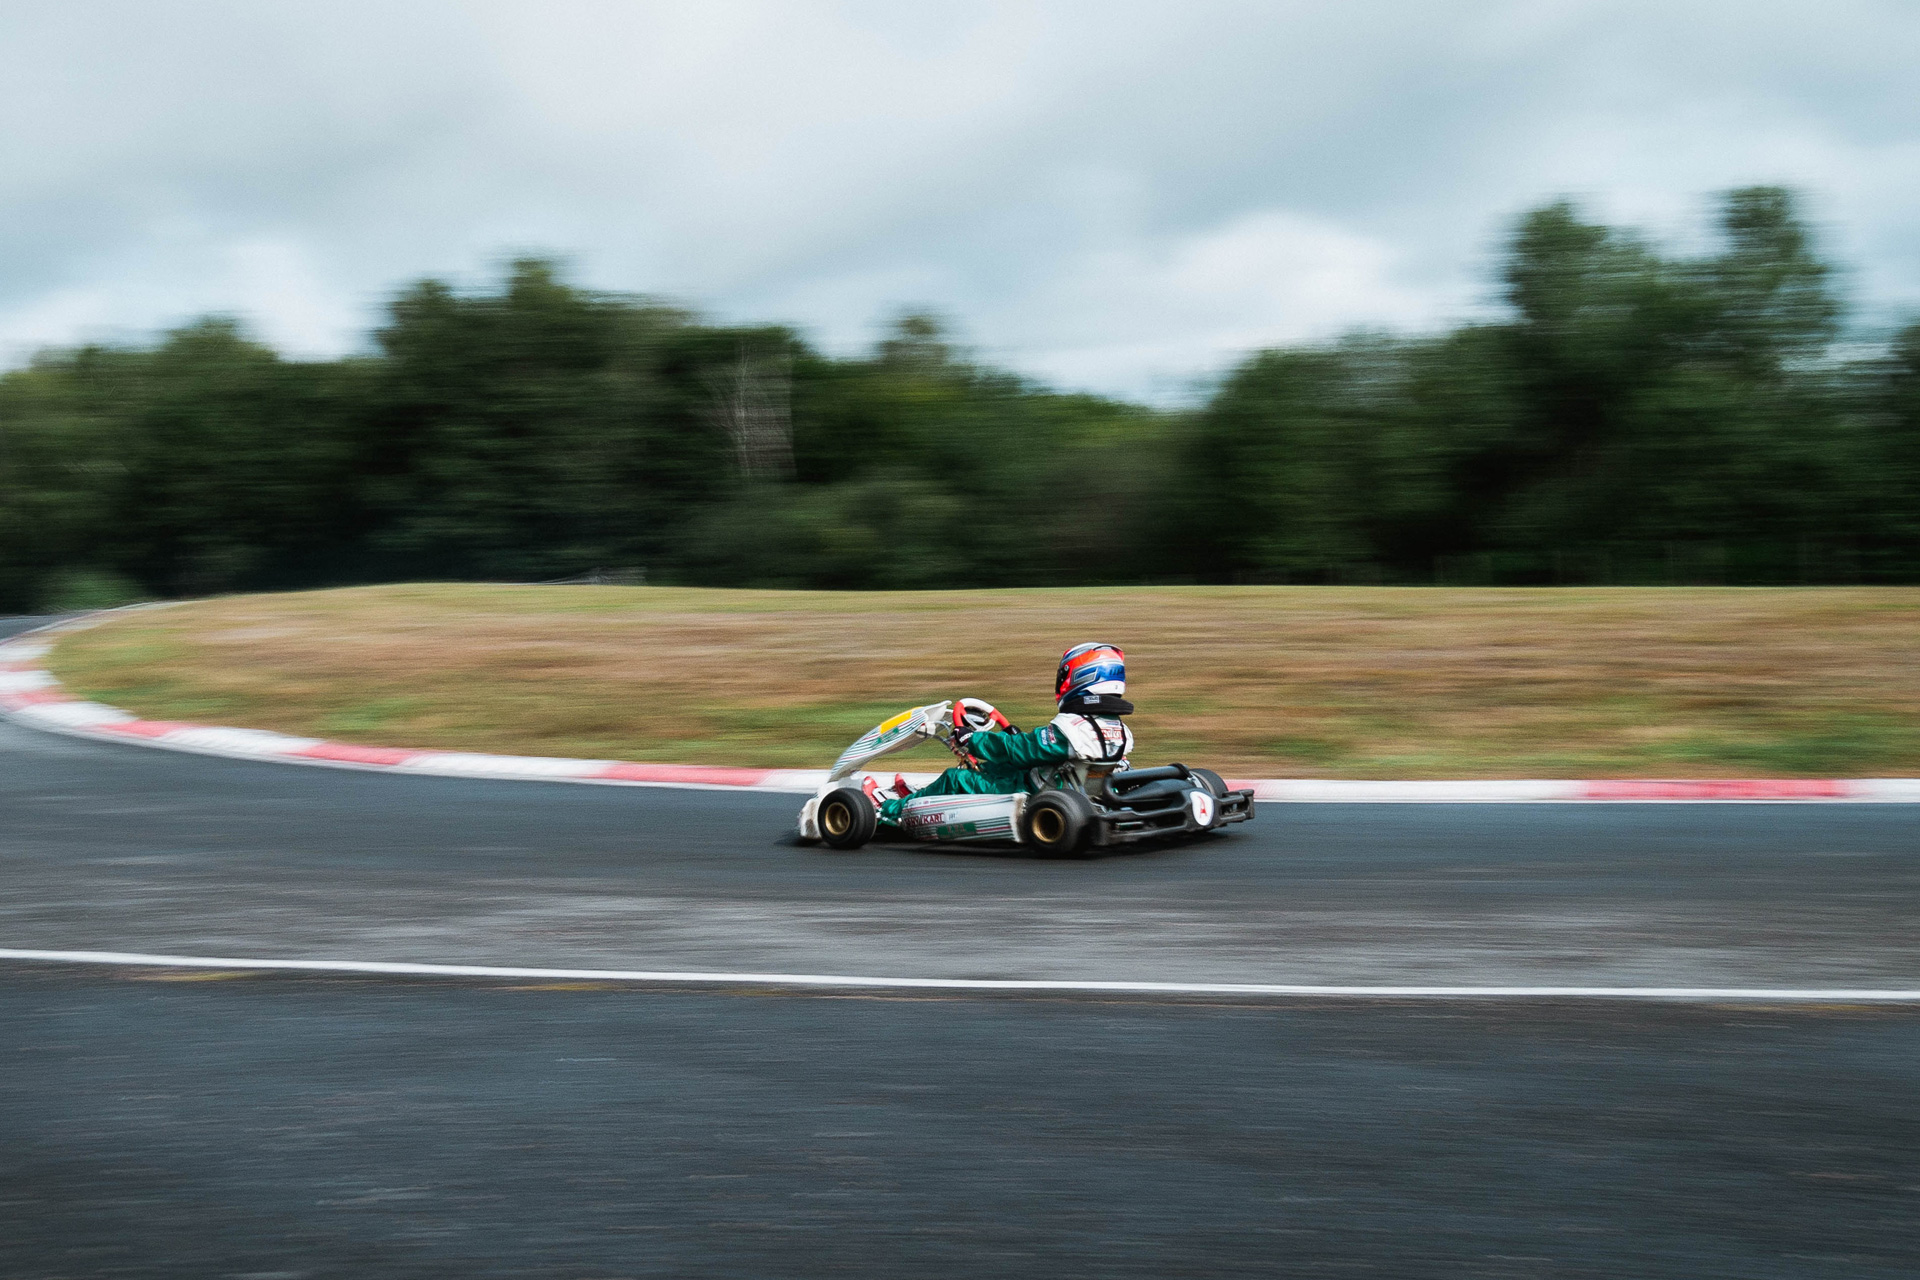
(1795, 995)
(72, 716)
(26, 680)
(1719, 789)
(1502, 791)
(468, 764)
(34, 697)
(348, 753)
(259, 742)
(158, 729)
(31, 695)
(667, 774)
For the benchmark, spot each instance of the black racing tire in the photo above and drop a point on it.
(847, 818)
(1211, 781)
(1058, 824)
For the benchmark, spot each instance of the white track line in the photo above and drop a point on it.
(1821, 995)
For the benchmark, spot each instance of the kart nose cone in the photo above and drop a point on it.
(1202, 803)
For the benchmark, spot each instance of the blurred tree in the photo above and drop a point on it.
(60, 467)
(1637, 418)
(1888, 393)
(537, 431)
(1634, 417)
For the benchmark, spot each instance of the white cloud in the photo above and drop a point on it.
(1146, 316)
(1122, 196)
(272, 283)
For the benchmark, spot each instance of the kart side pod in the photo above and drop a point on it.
(844, 818)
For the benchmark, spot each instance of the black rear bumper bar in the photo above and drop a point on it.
(1127, 826)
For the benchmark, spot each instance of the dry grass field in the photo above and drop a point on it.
(1256, 681)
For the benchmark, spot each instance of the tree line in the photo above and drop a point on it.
(1635, 416)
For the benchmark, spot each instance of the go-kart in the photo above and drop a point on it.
(1072, 810)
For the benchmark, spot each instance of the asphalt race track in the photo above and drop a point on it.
(167, 1122)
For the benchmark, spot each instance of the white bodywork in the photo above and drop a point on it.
(931, 723)
(988, 817)
(1096, 743)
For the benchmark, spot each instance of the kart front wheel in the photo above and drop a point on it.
(1058, 824)
(1211, 781)
(847, 818)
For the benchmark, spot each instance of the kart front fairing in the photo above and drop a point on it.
(931, 723)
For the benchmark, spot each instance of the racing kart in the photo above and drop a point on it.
(1073, 808)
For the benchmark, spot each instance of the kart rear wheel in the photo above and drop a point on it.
(1211, 781)
(1058, 824)
(847, 818)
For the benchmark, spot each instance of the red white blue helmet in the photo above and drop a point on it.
(1092, 668)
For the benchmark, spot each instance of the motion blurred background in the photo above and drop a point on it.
(847, 295)
(1294, 346)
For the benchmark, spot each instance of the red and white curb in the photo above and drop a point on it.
(30, 695)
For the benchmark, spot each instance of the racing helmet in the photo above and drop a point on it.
(1091, 675)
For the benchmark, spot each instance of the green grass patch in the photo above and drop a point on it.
(1254, 681)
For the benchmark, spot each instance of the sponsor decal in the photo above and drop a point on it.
(960, 817)
(1203, 806)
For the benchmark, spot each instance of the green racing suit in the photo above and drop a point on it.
(1002, 761)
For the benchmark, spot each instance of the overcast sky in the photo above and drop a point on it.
(1113, 196)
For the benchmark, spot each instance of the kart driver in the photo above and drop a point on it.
(996, 757)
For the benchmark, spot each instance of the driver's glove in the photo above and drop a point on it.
(971, 716)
